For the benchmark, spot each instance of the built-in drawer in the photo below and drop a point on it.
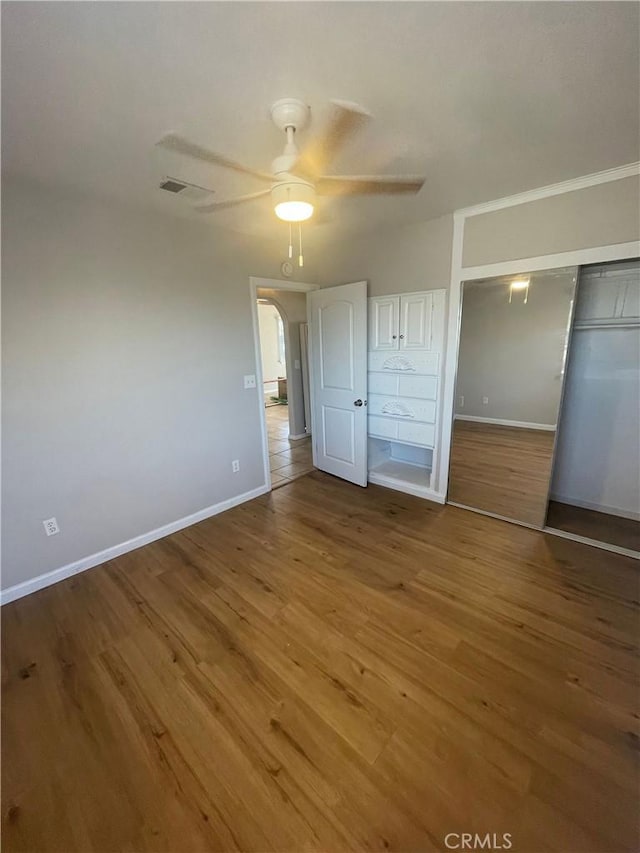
(419, 361)
(424, 387)
(382, 427)
(384, 383)
(423, 434)
(393, 385)
(403, 408)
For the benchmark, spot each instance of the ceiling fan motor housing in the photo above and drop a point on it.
(290, 112)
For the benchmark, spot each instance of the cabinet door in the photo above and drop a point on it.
(415, 321)
(383, 323)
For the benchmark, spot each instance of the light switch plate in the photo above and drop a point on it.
(250, 381)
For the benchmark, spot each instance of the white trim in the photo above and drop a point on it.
(253, 294)
(581, 183)
(407, 488)
(450, 369)
(299, 437)
(283, 284)
(256, 282)
(607, 510)
(575, 258)
(41, 581)
(502, 422)
(595, 543)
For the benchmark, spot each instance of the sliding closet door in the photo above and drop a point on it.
(596, 480)
(513, 345)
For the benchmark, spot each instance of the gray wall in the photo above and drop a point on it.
(513, 353)
(601, 215)
(394, 260)
(126, 336)
(293, 308)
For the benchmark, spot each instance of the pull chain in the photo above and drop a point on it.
(290, 242)
(300, 258)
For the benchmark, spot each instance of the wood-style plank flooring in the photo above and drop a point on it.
(327, 668)
(613, 529)
(500, 469)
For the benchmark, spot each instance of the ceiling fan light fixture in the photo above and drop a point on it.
(293, 201)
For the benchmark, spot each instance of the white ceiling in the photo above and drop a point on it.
(485, 99)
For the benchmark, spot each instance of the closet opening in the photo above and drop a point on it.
(282, 337)
(595, 488)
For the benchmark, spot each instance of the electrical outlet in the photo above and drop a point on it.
(296, 364)
(235, 466)
(51, 527)
(249, 381)
(462, 401)
(485, 401)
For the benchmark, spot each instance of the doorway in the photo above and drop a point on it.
(280, 314)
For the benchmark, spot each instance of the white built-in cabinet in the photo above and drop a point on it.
(406, 339)
(402, 322)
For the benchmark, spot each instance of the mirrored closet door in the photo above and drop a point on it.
(512, 355)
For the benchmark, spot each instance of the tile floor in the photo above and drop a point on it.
(288, 459)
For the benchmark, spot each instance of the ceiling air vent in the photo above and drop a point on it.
(191, 192)
(172, 186)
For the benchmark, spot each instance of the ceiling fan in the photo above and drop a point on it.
(297, 176)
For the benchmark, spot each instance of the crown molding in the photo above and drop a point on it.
(583, 182)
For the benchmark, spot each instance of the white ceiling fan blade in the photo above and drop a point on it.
(232, 202)
(173, 142)
(345, 121)
(369, 184)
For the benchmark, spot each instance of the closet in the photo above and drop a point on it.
(595, 489)
(406, 340)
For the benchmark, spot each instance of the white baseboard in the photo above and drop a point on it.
(41, 581)
(298, 437)
(502, 422)
(407, 488)
(608, 510)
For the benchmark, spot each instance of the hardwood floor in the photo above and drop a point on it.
(327, 668)
(613, 529)
(500, 469)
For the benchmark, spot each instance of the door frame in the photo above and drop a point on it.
(256, 282)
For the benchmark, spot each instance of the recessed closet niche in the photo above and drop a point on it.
(595, 490)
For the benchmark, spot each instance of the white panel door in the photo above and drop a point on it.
(415, 321)
(338, 324)
(383, 323)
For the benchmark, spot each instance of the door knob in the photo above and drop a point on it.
(401, 337)
(357, 403)
(394, 337)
